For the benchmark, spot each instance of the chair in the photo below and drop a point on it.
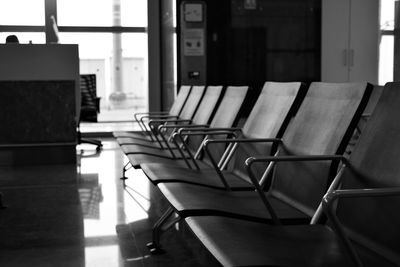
(168, 123)
(228, 109)
(322, 126)
(90, 106)
(142, 117)
(276, 105)
(160, 138)
(363, 220)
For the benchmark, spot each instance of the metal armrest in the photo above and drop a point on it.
(252, 160)
(149, 129)
(207, 133)
(181, 137)
(151, 122)
(273, 159)
(151, 113)
(259, 184)
(136, 115)
(356, 193)
(193, 127)
(243, 140)
(157, 117)
(174, 125)
(148, 115)
(229, 152)
(160, 118)
(233, 143)
(328, 207)
(184, 129)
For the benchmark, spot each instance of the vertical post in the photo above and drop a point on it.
(154, 48)
(117, 97)
(50, 10)
(167, 53)
(396, 63)
(193, 40)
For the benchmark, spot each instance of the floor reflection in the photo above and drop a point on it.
(82, 215)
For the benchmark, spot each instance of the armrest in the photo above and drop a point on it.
(174, 125)
(273, 159)
(153, 123)
(207, 142)
(243, 140)
(328, 207)
(193, 127)
(159, 118)
(147, 115)
(356, 193)
(207, 133)
(251, 160)
(150, 113)
(259, 184)
(184, 129)
(168, 121)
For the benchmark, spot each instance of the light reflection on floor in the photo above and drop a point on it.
(80, 216)
(116, 206)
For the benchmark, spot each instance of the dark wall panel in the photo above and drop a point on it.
(278, 40)
(37, 112)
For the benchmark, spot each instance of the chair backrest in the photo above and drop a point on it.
(323, 125)
(270, 115)
(192, 102)
(204, 113)
(273, 109)
(373, 100)
(227, 114)
(89, 101)
(180, 100)
(229, 108)
(376, 161)
(207, 105)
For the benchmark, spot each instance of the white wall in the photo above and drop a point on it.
(350, 40)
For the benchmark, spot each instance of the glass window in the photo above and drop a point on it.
(22, 12)
(25, 37)
(100, 13)
(96, 53)
(387, 14)
(386, 47)
(386, 59)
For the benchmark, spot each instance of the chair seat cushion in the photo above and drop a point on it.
(236, 242)
(134, 135)
(163, 156)
(168, 172)
(135, 141)
(138, 149)
(191, 200)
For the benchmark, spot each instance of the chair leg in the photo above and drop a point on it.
(97, 143)
(159, 227)
(126, 167)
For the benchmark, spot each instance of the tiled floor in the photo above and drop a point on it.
(81, 215)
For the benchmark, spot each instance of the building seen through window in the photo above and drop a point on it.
(112, 39)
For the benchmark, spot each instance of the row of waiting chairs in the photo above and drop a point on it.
(278, 191)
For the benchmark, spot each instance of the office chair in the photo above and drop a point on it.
(90, 106)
